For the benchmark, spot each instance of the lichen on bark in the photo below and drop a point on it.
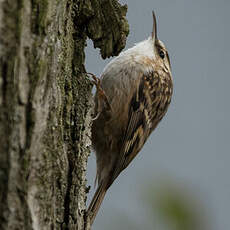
(45, 106)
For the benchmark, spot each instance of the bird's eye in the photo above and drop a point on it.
(162, 54)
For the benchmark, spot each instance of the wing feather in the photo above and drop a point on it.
(147, 107)
(138, 127)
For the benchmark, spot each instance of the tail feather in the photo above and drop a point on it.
(96, 202)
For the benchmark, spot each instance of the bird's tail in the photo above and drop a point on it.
(96, 202)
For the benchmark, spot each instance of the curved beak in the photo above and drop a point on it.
(154, 32)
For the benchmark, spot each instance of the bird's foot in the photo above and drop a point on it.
(101, 95)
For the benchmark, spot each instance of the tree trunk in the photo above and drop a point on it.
(45, 106)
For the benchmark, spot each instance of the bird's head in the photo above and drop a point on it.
(161, 53)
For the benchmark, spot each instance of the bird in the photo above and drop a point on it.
(132, 96)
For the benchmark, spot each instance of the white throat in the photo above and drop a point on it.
(145, 48)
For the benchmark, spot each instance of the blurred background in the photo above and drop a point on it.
(181, 178)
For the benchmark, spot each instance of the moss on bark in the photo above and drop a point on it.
(45, 106)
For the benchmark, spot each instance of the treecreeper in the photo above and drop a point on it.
(133, 95)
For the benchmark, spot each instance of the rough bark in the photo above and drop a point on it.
(45, 106)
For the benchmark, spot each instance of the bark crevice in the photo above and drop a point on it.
(45, 106)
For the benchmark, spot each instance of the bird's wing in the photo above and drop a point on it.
(143, 118)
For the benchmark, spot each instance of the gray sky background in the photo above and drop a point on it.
(191, 146)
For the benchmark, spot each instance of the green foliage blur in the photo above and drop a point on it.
(169, 206)
(176, 207)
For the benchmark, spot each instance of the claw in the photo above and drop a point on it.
(95, 118)
(100, 94)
